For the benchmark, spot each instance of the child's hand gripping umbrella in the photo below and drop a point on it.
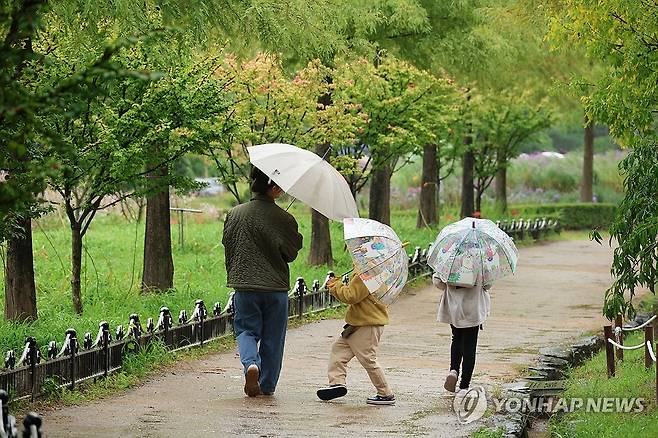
(465, 249)
(379, 257)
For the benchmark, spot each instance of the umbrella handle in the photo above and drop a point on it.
(345, 273)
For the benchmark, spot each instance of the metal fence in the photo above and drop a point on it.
(92, 358)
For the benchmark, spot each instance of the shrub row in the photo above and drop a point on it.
(572, 216)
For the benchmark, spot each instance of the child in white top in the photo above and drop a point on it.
(465, 309)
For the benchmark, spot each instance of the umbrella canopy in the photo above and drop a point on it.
(307, 177)
(472, 247)
(379, 257)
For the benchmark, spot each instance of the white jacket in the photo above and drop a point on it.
(463, 307)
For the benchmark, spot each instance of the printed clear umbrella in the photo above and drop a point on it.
(472, 247)
(306, 176)
(379, 257)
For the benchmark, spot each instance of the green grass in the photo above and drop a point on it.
(112, 267)
(485, 432)
(631, 380)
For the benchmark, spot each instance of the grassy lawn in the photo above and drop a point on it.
(631, 380)
(112, 267)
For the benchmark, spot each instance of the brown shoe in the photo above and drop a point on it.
(251, 385)
(451, 381)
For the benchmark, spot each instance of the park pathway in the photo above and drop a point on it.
(555, 296)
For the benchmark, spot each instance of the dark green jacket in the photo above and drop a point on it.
(260, 239)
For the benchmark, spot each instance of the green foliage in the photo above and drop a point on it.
(405, 108)
(112, 264)
(635, 228)
(499, 124)
(572, 216)
(590, 380)
(623, 35)
(30, 146)
(269, 107)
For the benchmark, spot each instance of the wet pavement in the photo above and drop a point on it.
(556, 295)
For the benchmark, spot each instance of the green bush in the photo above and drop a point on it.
(572, 216)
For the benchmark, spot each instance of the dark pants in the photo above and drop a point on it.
(462, 352)
(261, 317)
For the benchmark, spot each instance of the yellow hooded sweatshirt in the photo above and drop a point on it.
(364, 308)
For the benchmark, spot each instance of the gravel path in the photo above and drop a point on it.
(555, 296)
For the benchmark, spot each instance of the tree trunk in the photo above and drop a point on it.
(76, 267)
(467, 181)
(501, 187)
(158, 273)
(380, 194)
(20, 291)
(320, 252)
(438, 189)
(478, 200)
(427, 211)
(586, 190)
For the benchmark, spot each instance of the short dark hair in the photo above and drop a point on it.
(260, 182)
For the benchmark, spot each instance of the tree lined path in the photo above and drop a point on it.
(555, 296)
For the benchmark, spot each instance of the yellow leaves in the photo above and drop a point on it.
(182, 132)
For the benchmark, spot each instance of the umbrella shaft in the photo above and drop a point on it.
(345, 273)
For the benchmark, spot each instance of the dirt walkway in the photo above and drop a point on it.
(556, 295)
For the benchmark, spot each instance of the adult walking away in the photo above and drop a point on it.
(465, 309)
(260, 239)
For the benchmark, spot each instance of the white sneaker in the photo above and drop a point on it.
(462, 392)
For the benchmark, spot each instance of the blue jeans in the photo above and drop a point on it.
(261, 317)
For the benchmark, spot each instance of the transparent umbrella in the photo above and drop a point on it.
(472, 247)
(379, 257)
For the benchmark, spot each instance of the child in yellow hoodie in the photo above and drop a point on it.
(365, 318)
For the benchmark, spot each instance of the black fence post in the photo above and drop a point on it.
(135, 329)
(32, 357)
(10, 360)
(87, 342)
(4, 407)
(52, 350)
(300, 290)
(8, 421)
(105, 336)
(200, 313)
(73, 346)
(164, 323)
(32, 425)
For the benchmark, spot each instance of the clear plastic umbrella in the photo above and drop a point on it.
(306, 176)
(379, 257)
(472, 247)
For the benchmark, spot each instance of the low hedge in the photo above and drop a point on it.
(572, 216)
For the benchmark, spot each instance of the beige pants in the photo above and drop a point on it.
(362, 344)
